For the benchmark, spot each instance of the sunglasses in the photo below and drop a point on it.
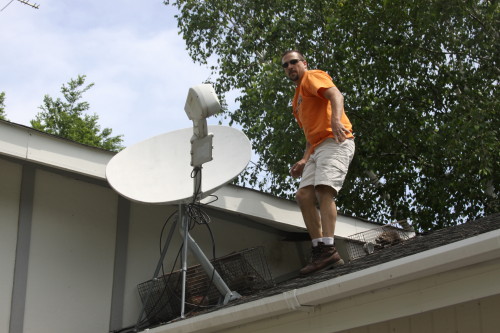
(292, 62)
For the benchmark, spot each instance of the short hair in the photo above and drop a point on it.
(301, 56)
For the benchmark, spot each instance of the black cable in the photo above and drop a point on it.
(196, 216)
(213, 200)
(161, 235)
(197, 191)
(167, 282)
(166, 285)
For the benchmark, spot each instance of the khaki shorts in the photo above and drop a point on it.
(328, 164)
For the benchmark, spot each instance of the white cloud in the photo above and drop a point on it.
(130, 50)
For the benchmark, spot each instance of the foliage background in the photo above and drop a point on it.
(2, 106)
(420, 81)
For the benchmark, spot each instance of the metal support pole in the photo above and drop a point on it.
(185, 233)
(209, 268)
(189, 243)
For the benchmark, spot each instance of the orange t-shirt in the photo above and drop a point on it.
(314, 112)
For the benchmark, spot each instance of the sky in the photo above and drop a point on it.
(130, 50)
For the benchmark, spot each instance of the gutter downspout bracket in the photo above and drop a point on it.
(293, 302)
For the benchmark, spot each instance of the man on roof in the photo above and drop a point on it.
(318, 107)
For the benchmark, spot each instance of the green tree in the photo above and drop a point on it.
(2, 106)
(67, 119)
(420, 81)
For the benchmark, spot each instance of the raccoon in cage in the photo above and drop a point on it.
(388, 238)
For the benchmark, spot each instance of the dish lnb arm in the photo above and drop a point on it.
(201, 103)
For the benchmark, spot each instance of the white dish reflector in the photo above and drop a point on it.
(158, 170)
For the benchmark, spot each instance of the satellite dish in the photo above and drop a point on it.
(167, 169)
(158, 170)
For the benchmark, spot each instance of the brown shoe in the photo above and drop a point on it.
(323, 257)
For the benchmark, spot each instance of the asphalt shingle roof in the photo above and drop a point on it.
(412, 246)
(420, 243)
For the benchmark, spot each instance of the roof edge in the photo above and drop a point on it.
(481, 248)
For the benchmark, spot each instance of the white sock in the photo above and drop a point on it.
(316, 241)
(328, 240)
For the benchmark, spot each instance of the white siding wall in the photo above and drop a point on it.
(71, 256)
(10, 186)
(72, 244)
(478, 316)
(143, 253)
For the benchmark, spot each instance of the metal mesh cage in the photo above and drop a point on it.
(245, 272)
(366, 242)
(163, 300)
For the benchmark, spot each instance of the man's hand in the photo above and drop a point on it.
(297, 168)
(339, 132)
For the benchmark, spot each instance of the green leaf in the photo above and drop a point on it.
(67, 118)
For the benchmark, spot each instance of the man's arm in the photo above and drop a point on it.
(297, 168)
(337, 101)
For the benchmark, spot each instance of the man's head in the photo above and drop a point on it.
(294, 65)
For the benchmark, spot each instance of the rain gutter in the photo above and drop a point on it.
(460, 254)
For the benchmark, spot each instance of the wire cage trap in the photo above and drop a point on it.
(366, 242)
(245, 272)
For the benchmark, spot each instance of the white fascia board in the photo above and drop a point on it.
(279, 213)
(259, 205)
(347, 226)
(14, 140)
(476, 250)
(37, 147)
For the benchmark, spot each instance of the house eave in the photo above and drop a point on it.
(30, 145)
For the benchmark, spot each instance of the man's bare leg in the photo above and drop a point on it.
(328, 209)
(306, 198)
(323, 256)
